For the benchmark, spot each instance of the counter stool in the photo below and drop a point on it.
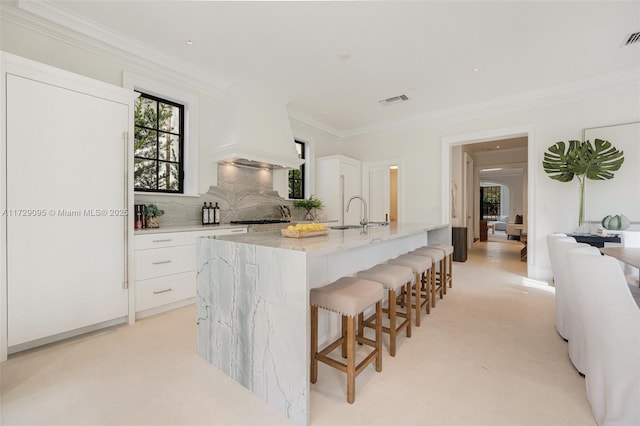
(392, 278)
(421, 267)
(448, 254)
(349, 297)
(437, 258)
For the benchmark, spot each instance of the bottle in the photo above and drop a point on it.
(211, 214)
(138, 218)
(205, 214)
(216, 215)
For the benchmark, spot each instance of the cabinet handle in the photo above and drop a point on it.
(161, 262)
(163, 291)
(162, 241)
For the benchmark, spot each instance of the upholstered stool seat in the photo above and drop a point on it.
(421, 267)
(437, 259)
(448, 254)
(349, 297)
(392, 278)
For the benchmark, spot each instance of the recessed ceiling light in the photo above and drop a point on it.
(326, 112)
(189, 42)
(344, 56)
(476, 69)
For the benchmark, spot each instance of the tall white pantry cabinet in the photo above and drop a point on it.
(338, 178)
(64, 231)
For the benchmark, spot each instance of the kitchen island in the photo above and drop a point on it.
(253, 301)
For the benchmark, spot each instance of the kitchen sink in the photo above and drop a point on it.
(346, 227)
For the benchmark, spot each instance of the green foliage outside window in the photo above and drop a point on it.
(296, 176)
(158, 159)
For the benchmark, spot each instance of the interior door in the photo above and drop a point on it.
(469, 202)
(66, 197)
(379, 194)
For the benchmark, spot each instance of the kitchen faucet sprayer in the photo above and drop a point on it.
(364, 220)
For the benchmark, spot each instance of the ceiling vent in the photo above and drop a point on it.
(401, 98)
(633, 38)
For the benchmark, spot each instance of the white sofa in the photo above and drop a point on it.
(514, 229)
(500, 224)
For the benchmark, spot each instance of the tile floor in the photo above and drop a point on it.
(487, 355)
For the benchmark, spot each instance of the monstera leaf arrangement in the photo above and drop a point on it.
(597, 161)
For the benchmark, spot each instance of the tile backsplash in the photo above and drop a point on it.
(242, 193)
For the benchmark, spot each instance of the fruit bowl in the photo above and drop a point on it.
(304, 231)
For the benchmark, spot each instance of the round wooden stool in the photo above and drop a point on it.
(349, 297)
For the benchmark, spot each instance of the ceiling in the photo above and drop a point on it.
(333, 61)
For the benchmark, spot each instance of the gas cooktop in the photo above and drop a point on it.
(258, 221)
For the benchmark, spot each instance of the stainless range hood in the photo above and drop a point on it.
(256, 132)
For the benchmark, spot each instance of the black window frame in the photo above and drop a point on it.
(490, 210)
(292, 179)
(158, 131)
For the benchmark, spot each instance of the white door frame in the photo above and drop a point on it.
(367, 165)
(532, 171)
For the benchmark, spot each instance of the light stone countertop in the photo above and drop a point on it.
(185, 228)
(336, 240)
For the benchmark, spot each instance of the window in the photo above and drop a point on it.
(159, 145)
(490, 202)
(296, 176)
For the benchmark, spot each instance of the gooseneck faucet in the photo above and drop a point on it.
(364, 220)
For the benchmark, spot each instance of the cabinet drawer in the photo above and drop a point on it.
(164, 261)
(150, 241)
(191, 237)
(161, 291)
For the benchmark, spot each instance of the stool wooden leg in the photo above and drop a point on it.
(443, 276)
(379, 336)
(351, 358)
(450, 270)
(418, 285)
(392, 323)
(409, 306)
(427, 289)
(344, 337)
(314, 343)
(433, 285)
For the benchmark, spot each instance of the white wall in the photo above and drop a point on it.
(419, 146)
(554, 203)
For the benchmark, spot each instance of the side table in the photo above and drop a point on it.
(523, 252)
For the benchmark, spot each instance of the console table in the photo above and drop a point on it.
(595, 240)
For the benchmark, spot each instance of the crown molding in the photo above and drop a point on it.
(602, 85)
(306, 122)
(45, 17)
(48, 19)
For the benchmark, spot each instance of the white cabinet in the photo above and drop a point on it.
(64, 224)
(165, 268)
(338, 178)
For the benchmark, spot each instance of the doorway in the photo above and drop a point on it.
(380, 186)
(482, 141)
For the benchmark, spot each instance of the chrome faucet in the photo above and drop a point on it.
(364, 220)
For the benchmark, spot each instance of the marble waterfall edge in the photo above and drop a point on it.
(252, 321)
